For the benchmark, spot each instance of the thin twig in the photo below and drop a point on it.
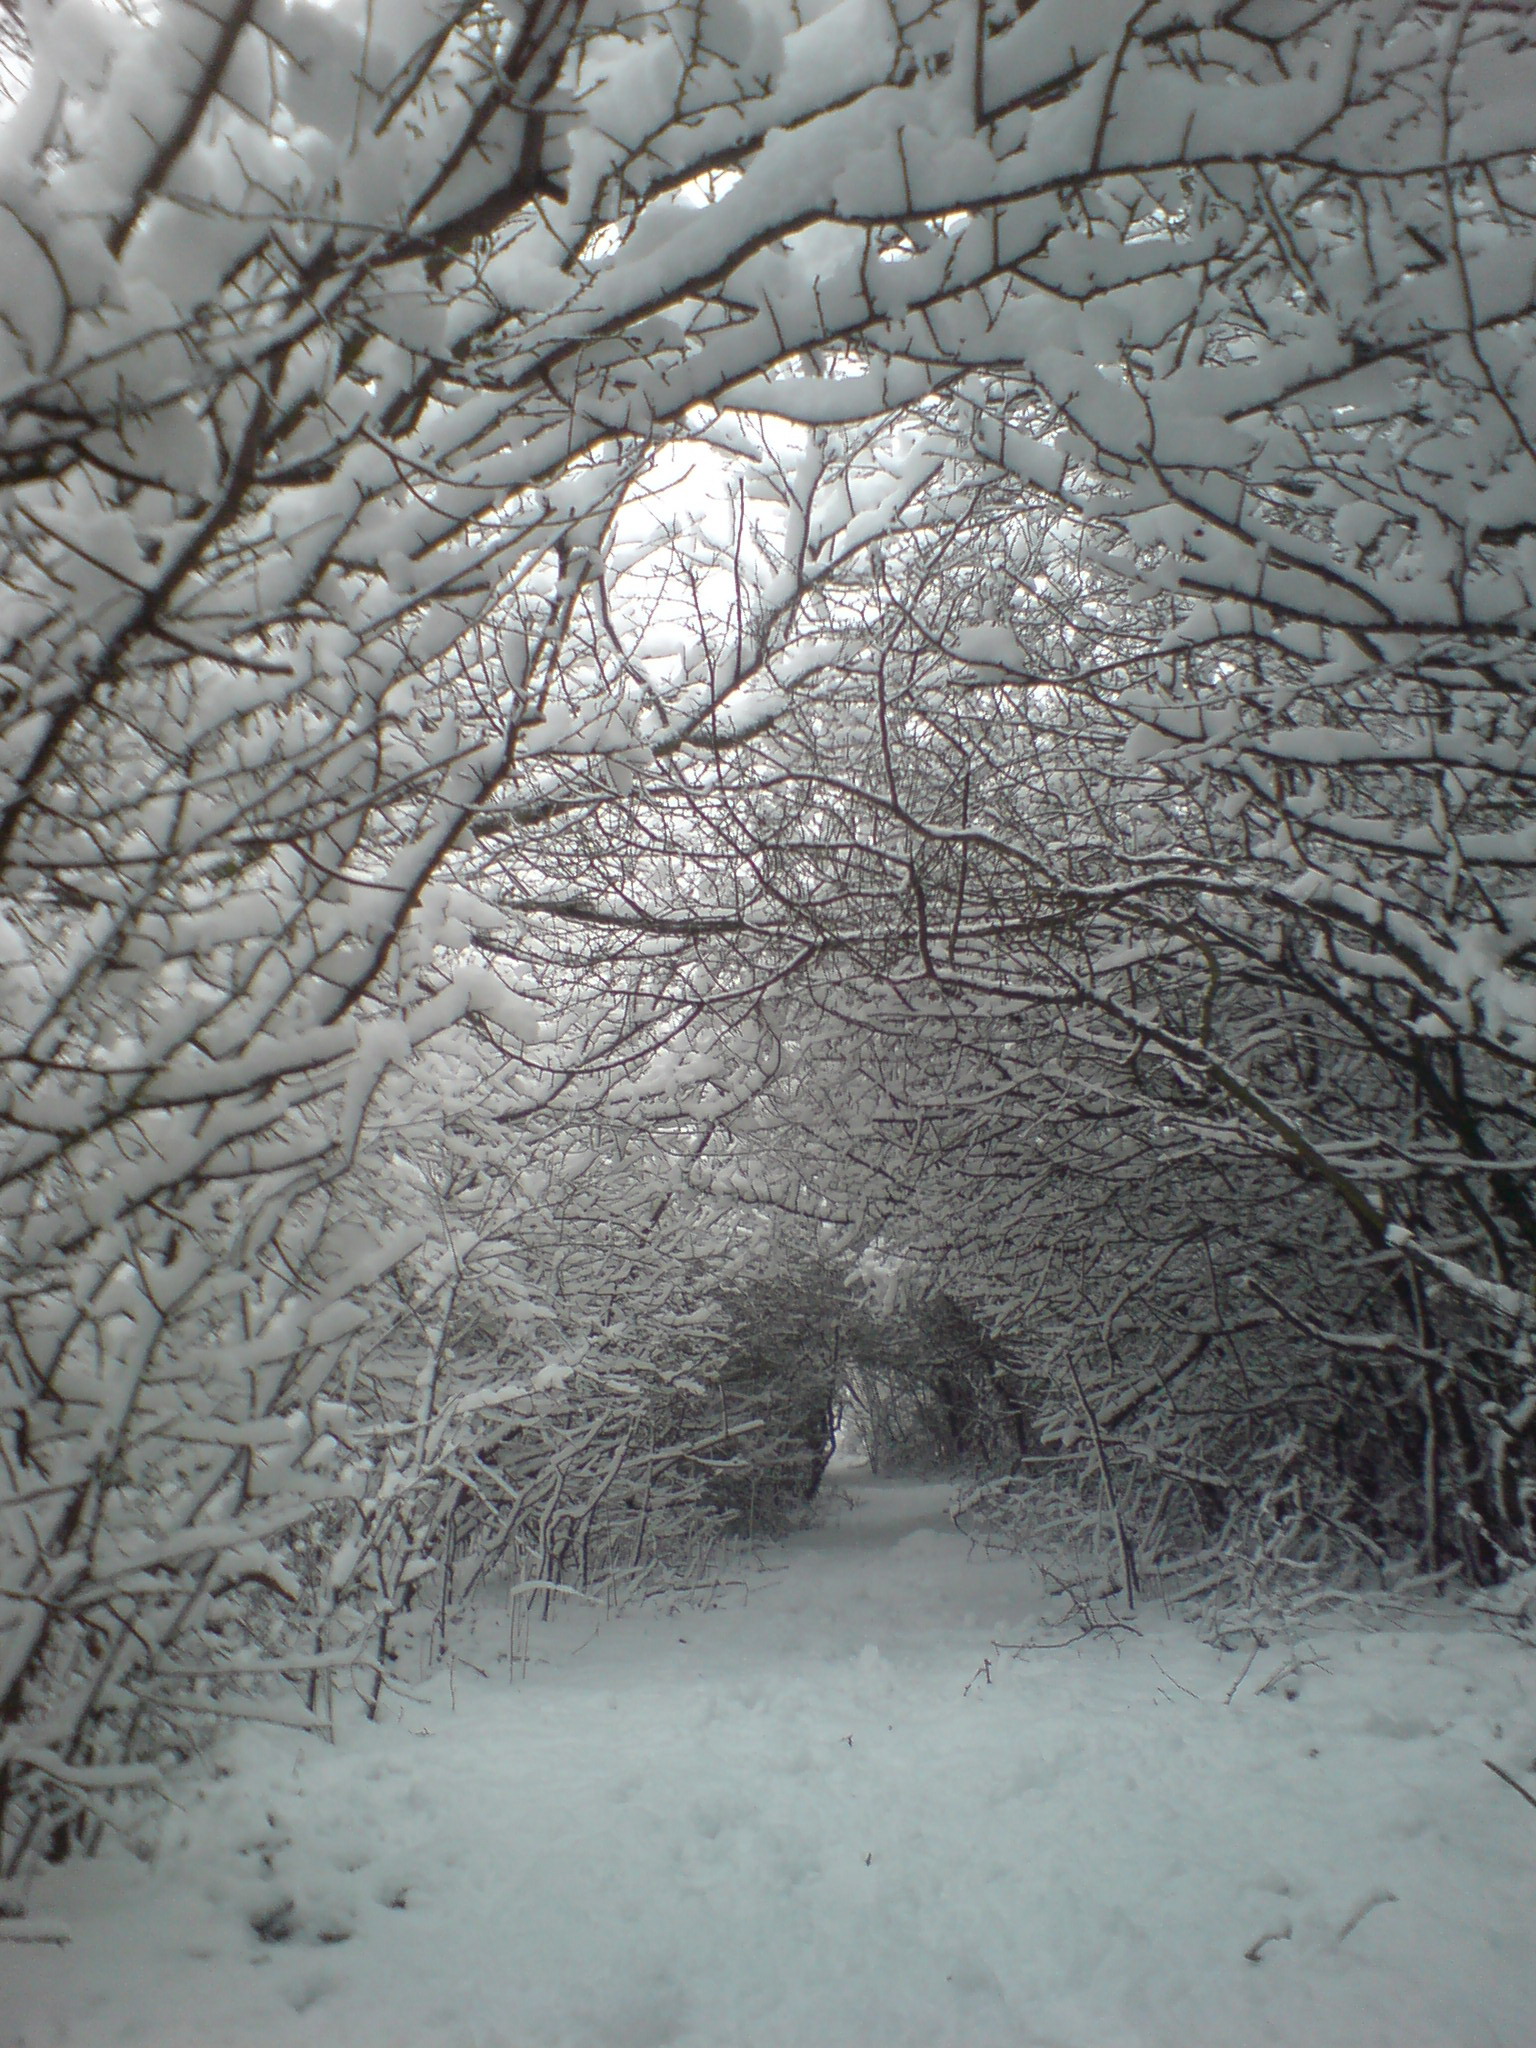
(1514, 1784)
(1253, 1658)
(1256, 1953)
(1381, 1898)
(1171, 1679)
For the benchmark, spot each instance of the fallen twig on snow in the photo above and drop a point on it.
(1381, 1898)
(1253, 1658)
(1514, 1784)
(1256, 1953)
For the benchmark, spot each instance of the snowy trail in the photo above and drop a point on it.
(785, 1821)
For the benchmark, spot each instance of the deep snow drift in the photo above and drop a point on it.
(786, 1821)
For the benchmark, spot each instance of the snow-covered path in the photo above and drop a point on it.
(785, 1823)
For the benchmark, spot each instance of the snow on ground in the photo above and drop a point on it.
(785, 1823)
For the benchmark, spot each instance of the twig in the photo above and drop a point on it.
(1111, 1496)
(1514, 1784)
(985, 1667)
(1171, 1679)
(1256, 1953)
(1291, 1669)
(1253, 1658)
(1381, 1898)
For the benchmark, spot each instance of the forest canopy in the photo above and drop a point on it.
(717, 705)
